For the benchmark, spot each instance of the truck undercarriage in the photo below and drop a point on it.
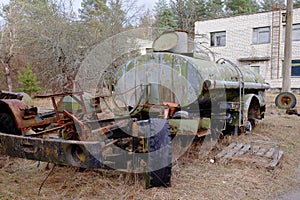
(81, 139)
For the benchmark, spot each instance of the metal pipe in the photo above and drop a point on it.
(216, 84)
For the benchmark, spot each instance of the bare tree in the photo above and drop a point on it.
(8, 40)
(44, 35)
(5, 57)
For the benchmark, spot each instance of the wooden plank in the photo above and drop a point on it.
(234, 150)
(261, 152)
(270, 153)
(276, 160)
(254, 149)
(263, 142)
(224, 151)
(243, 150)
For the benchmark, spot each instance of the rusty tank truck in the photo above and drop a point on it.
(157, 97)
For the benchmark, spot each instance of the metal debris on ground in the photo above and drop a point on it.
(261, 153)
(292, 112)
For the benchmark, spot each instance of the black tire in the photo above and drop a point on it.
(7, 124)
(254, 113)
(160, 154)
(286, 100)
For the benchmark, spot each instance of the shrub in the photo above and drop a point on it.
(28, 81)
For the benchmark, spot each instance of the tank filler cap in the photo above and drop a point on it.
(165, 42)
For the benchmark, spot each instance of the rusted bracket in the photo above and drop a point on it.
(51, 130)
(77, 122)
(56, 105)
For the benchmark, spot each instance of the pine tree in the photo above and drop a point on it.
(117, 17)
(160, 6)
(94, 12)
(241, 6)
(164, 17)
(270, 4)
(166, 21)
(201, 9)
(185, 13)
(28, 81)
(214, 8)
(296, 3)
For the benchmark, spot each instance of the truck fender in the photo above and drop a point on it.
(15, 108)
(248, 99)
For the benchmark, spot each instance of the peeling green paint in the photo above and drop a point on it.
(183, 77)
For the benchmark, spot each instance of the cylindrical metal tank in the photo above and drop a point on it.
(179, 79)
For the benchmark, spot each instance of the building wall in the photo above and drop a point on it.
(239, 42)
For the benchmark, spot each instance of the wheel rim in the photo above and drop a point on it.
(285, 100)
(248, 127)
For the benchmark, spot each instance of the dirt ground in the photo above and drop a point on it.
(194, 177)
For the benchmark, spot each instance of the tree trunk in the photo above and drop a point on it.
(7, 74)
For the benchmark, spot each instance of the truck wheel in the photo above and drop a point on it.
(7, 125)
(160, 154)
(286, 100)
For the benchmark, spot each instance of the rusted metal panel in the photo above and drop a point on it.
(58, 151)
(10, 95)
(17, 109)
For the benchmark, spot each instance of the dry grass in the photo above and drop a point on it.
(192, 178)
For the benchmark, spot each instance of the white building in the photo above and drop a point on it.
(253, 40)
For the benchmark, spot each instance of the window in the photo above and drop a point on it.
(295, 72)
(261, 35)
(295, 33)
(255, 69)
(296, 68)
(218, 39)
